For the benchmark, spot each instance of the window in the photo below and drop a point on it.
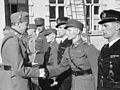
(53, 1)
(61, 11)
(96, 1)
(96, 9)
(52, 12)
(88, 1)
(92, 14)
(12, 6)
(60, 1)
(56, 9)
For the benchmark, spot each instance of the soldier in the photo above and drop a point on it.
(50, 35)
(15, 57)
(64, 80)
(51, 57)
(31, 42)
(109, 59)
(81, 57)
(40, 43)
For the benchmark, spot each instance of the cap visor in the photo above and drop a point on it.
(59, 24)
(106, 20)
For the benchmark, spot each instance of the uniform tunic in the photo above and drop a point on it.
(84, 56)
(14, 54)
(108, 70)
(40, 47)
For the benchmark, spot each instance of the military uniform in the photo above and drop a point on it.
(15, 57)
(40, 47)
(65, 78)
(81, 57)
(85, 57)
(40, 43)
(109, 59)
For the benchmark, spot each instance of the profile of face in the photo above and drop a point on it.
(72, 32)
(23, 27)
(50, 37)
(30, 31)
(110, 30)
(40, 29)
(61, 31)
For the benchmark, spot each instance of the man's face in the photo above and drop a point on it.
(30, 31)
(50, 37)
(40, 28)
(72, 32)
(23, 27)
(61, 31)
(109, 29)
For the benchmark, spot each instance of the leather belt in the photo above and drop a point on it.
(109, 84)
(5, 67)
(82, 72)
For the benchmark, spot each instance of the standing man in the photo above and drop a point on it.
(40, 46)
(64, 80)
(15, 57)
(40, 43)
(81, 57)
(109, 59)
(31, 42)
(50, 35)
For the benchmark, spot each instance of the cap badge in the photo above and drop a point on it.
(103, 15)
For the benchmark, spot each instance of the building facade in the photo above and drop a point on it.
(86, 11)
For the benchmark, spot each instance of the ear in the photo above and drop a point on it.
(78, 31)
(118, 26)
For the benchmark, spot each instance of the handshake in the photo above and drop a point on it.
(43, 71)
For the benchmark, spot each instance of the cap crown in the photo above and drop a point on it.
(39, 21)
(109, 16)
(49, 31)
(74, 23)
(61, 20)
(19, 17)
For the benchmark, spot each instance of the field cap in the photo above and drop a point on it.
(19, 17)
(74, 23)
(39, 21)
(49, 31)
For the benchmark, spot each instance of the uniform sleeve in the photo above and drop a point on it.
(92, 54)
(17, 61)
(59, 69)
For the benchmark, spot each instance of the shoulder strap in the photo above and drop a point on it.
(5, 42)
(72, 60)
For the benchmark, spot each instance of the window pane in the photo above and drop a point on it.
(96, 9)
(87, 11)
(88, 1)
(52, 1)
(61, 11)
(52, 12)
(96, 1)
(14, 8)
(61, 1)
